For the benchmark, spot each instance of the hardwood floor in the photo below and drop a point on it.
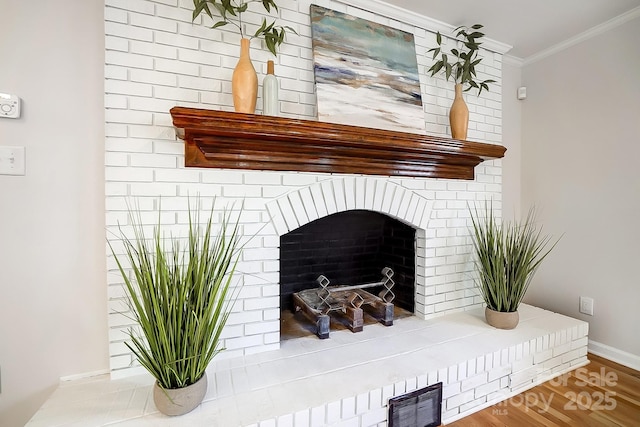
(603, 393)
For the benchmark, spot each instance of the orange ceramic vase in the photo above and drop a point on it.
(244, 83)
(459, 115)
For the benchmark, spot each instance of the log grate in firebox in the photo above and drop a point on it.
(349, 300)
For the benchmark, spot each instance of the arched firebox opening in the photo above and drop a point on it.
(348, 248)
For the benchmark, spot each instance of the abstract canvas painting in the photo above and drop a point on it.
(366, 73)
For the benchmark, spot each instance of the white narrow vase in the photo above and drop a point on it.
(270, 102)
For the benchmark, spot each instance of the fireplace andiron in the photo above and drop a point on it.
(318, 303)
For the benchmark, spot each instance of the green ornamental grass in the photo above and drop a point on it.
(507, 255)
(179, 296)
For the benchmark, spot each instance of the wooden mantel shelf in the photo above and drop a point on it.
(219, 139)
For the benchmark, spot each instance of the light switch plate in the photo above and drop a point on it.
(12, 160)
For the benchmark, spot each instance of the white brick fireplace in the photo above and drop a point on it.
(156, 59)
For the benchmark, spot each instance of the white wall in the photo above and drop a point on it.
(52, 286)
(511, 138)
(581, 123)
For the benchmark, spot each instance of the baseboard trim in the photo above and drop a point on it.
(616, 355)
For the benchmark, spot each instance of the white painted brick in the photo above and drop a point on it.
(177, 40)
(329, 197)
(542, 356)
(259, 254)
(371, 418)
(375, 399)
(450, 390)
(127, 31)
(452, 374)
(498, 372)
(127, 88)
(467, 406)
(560, 349)
(488, 388)
(554, 362)
(243, 342)
(156, 58)
(172, 12)
(171, 66)
(153, 50)
(261, 303)
(298, 208)
(348, 408)
(128, 174)
(317, 417)
(362, 403)
(473, 382)
(443, 375)
(340, 198)
(308, 204)
(574, 354)
(153, 22)
(288, 214)
(262, 327)
(400, 388)
(387, 393)
(525, 376)
(580, 343)
(522, 364)
(459, 399)
(333, 412)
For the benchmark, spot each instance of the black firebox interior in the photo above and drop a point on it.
(348, 248)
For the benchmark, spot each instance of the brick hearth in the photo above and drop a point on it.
(302, 385)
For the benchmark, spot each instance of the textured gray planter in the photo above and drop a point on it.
(501, 320)
(179, 401)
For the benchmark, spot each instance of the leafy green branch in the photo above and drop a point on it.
(463, 59)
(230, 12)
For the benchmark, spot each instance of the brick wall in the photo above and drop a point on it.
(156, 59)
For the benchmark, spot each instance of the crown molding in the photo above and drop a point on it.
(592, 32)
(514, 61)
(408, 17)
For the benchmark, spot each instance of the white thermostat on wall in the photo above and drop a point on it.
(9, 106)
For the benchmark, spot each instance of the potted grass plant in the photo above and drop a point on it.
(179, 293)
(507, 256)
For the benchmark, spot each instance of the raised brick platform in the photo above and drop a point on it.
(347, 380)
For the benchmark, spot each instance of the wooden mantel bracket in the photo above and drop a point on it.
(219, 139)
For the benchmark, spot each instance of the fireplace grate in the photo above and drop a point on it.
(420, 408)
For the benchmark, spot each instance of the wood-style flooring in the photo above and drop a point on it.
(602, 393)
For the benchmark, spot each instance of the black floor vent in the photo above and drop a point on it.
(420, 408)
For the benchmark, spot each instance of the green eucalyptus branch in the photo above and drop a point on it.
(230, 12)
(462, 60)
